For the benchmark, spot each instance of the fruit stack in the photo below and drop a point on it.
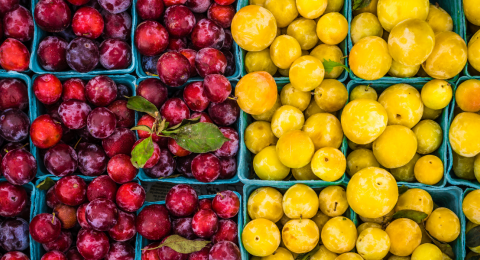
(472, 21)
(471, 208)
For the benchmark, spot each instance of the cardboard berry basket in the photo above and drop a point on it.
(441, 152)
(37, 109)
(31, 192)
(182, 179)
(343, 45)
(141, 242)
(451, 177)
(452, 7)
(249, 188)
(138, 57)
(245, 167)
(40, 34)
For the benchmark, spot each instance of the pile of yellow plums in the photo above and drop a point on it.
(400, 36)
(472, 13)
(397, 131)
(292, 37)
(299, 221)
(300, 133)
(471, 209)
(464, 131)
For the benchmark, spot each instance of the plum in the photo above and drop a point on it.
(184, 165)
(79, 3)
(217, 87)
(73, 254)
(130, 197)
(117, 26)
(228, 167)
(176, 149)
(183, 227)
(74, 113)
(115, 6)
(210, 61)
(101, 123)
(153, 222)
(13, 94)
(125, 116)
(165, 167)
(45, 132)
(120, 169)
(45, 228)
(51, 199)
(198, 6)
(195, 96)
(178, 21)
(221, 14)
(205, 223)
(88, 22)
(120, 250)
(101, 214)
(81, 217)
(53, 255)
(52, 52)
(15, 255)
(174, 111)
(200, 255)
(125, 227)
(176, 44)
(151, 38)
(150, 9)
(206, 167)
(225, 113)
(15, 201)
(18, 24)
(67, 216)
(92, 160)
(155, 156)
(150, 254)
(101, 91)
(204, 118)
(173, 69)
(226, 204)
(190, 55)
(8, 5)
(149, 65)
(207, 34)
(224, 250)
(92, 244)
(204, 204)
(229, 148)
(14, 234)
(19, 167)
(227, 231)
(123, 92)
(102, 187)
(61, 160)
(74, 88)
(63, 242)
(115, 54)
(166, 253)
(52, 15)
(181, 200)
(47, 88)
(228, 42)
(82, 55)
(153, 90)
(71, 190)
(120, 142)
(230, 69)
(14, 55)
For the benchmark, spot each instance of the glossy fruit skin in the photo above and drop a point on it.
(283, 11)
(88, 22)
(44, 228)
(151, 38)
(61, 160)
(153, 222)
(224, 250)
(295, 149)
(121, 250)
(165, 166)
(206, 167)
(410, 113)
(260, 61)
(195, 96)
(47, 22)
(284, 51)
(101, 123)
(229, 148)
(304, 231)
(173, 69)
(465, 95)
(331, 95)
(179, 21)
(373, 68)
(16, 202)
(18, 24)
(101, 91)
(226, 204)
(155, 156)
(443, 225)
(465, 123)
(397, 141)
(272, 211)
(102, 187)
(205, 223)
(403, 10)
(329, 52)
(13, 94)
(339, 235)
(14, 55)
(71, 190)
(364, 25)
(258, 135)
(267, 165)
(333, 201)
(92, 244)
(332, 28)
(8, 5)
(217, 87)
(150, 254)
(61, 244)
(405, 236)
(74, 88)
(376, 237)
(115, 54)
(306, 73)
(181, 200)
(101, 214)
(303, 30)
(125, 116)
(221, 14)
(130, 197)
(47, 89)
(225, 113)
(324, 129)
(117, 26)
(401, 71)
(436, 94)
(439, 19)
(82, 55)
(19, 167)
(256, 92)
(150, 9)
(115, 6)
(227, 231)
(81, 217)
(429, 169)
(300, 201)
(253, 17)
(125, 227)
(429, 136)
(67, 216)
(183, 227)
(74, 113)
(207, 34)
(153, 90)
(121, 169)
(184, 165)
(210, 61)
(268, 233)
(174, 110)
(45, 132)
(92, 160)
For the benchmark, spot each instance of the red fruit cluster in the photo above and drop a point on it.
(194, 220)
(96, 32)
(179, 39)
(104, 212)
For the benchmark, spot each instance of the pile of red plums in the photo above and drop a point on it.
(16, 31)
(86, 127)
(85, 35)
(88, 221)
(180, 39)
(208, 100)
(185, 215)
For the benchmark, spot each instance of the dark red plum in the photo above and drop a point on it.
(166, 253)
(198, 6)
(174, 111)
(121, 169)
(101, 214)
(19, 167)
(195, 96)
(88, 22)
(205, 223)
(18, 24)
(123, 92)
(173, 2)
(92, 160)
(206, 167)
(130, 197)
(45, 132)
(226, 204)
(207, 34)
(147, 120)
(176, 149)
(66, 34)
(227, 231)
(82, 55)
(92, 244)
(115, 54)
(74, 88)
(71, 190)
(14, 234)
(115, 6)
(45, 228)
(61, 244)
(15, 255)
(210, 61)
(155, 156)
(221, 14)
(102, 187)
(120, 251)
(73, 254)
(151, 38)
(190, 55)
(14, 55)
(153, 222)
(117, 26)
(125, 227)
(101, 122)
(225, 113)
(52, 53)
(120, 142)
(150, 9)
(204, 118)
(183, 227)
(217, 87)
(47, 88)
(173, 69)
(181, 200)
(224, 250)
(230, 69)
(176, 44)
(125, 116)
(52, 23)
(165, 166)
(86, 136)
(184, 165)
(154, 91)
(204, 204)
(150, 254)
(228, 42)
(229, 148)
(200, 255)
(67, 216)
(228, 167)
(81, 217)
(53, 255)
(149, 65)
(51, 198)
(79, 2)
(74, 113)
(224, 2)
(8, 5)
(101, 91)
(92, 3)
(178, 21)
(13, 94)
(61, 160)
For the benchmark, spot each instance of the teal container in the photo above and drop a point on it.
(138, 57)
(453, 7)
(141, 242)
(451, 177)
(281, 79)
(441, 152)
(182, 179)
(32, 192)
(283, 187)
(245, 167)
(40, 34)
(37, 109)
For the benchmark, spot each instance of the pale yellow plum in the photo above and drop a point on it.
(304, 173)
(332, 28)
(259, 135)
(284, 51)
(464, 134)
(284, 11)
(429, 170)
(431, 114)
(373, 243)
(311, 9)
(401, 71)
(268, 115)
(366, 225)
(427, 252)
(370, 8)
(285, 119)
(304, 31)
(323, 254)
(363, 92)
(331, 95)
(306, 73)
(405, 235)
(363, 120)
(439, 19)
(256, 92)
(472, 11)
(443, 225)
(261, 237)
(406, 172)
(429, 136)
(260, 61)
(360, 159)
(334, 6)
(339, 235)
(369, 58)
(403, 104)
(279, 254)
(295, 149)
(300, 201)
(294, 97)
(392, 12)
(300, 235)
(254, 28)
(467, 95)
(471, 206)
(265, 202)
(333, 201)
(329, 164)
(349, 256)
(437, 94)
(463, 167)
(415, 199)
(330, 52)
(364, 25)
(267, 165)
(395, 147)
(313, 109)
(474, 51)
(325, 130)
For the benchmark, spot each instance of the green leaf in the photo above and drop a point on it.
(472, 238)
(142, 152)
(414, 215)
(160, 127)
(357, 4)
(306, 256)
(46, 184)
(444, 247)
(329, 65)
(185, 122)
(199, 137)
(142, 128)
(140, 104)
(402, 189)
(182, 245)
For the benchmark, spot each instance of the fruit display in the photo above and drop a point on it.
(181, 39)
(472, 23)
(83, 36)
